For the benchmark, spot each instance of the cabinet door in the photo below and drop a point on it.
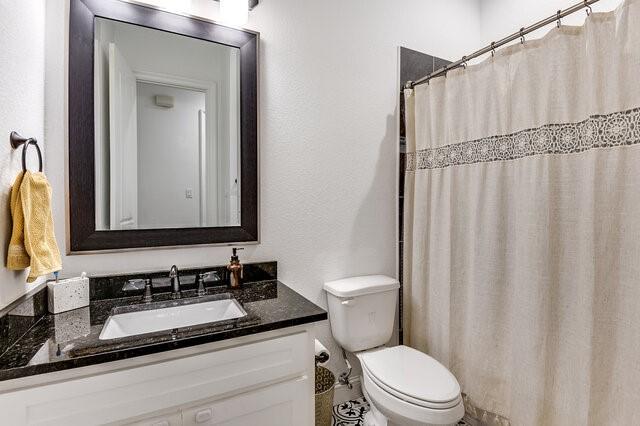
(283, 404)
(172, 419)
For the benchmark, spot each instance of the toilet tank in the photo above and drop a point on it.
(362, 310)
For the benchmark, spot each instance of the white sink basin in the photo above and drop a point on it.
(168, 318)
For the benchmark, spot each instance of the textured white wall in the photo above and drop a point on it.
(499, 18)
(22, 37)
(328, 149)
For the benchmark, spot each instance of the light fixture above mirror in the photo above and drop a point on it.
(236, 12)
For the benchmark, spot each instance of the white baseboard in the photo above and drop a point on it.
(343, 393)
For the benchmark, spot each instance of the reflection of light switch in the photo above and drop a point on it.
(189, 193)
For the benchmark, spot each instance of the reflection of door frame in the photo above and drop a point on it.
(202, 143)
(123, 143)
(101, 144)
(207, 156)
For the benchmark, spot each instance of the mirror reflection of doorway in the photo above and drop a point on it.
(169, 152)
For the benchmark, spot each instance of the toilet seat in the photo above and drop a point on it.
(411, 376)
(408, 399)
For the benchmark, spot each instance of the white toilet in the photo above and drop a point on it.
(403, 386)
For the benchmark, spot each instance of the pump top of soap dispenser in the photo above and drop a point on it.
(234, 256)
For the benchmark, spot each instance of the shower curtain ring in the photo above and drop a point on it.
(559, 22)
(588, 6)
(464, 62)
(493, 49)
(522, 35)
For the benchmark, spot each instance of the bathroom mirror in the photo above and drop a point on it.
(162, 129)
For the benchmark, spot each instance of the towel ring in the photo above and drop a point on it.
(17, 140)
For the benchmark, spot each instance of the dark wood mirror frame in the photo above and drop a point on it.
(83, 235)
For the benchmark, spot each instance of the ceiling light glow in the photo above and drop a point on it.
(234, 12)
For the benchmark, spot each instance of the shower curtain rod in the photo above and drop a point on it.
(586, 4)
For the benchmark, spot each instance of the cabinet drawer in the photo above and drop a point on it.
(284, 404)
(121, 395)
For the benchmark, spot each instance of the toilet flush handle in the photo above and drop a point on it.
(348, 302)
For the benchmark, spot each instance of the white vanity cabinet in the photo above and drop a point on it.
(264, 379)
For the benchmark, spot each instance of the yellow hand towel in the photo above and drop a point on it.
(39, 237)
(17, 256)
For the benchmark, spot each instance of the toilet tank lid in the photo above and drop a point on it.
(358, 286)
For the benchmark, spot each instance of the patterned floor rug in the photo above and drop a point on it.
(351, 413)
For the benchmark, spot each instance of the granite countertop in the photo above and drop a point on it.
(71, 339)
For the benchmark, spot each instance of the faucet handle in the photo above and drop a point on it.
(200, 283)
(148, 296)
(204, 276)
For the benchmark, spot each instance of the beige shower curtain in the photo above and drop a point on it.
(522, 226)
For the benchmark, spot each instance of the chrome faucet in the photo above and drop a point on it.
(174, 274)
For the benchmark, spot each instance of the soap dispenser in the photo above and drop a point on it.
(235, 269)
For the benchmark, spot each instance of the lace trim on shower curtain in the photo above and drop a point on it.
(476, 416)
(597, 131)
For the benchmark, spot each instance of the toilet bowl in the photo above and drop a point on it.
(404, 386)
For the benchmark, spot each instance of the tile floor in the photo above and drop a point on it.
(352, 413)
